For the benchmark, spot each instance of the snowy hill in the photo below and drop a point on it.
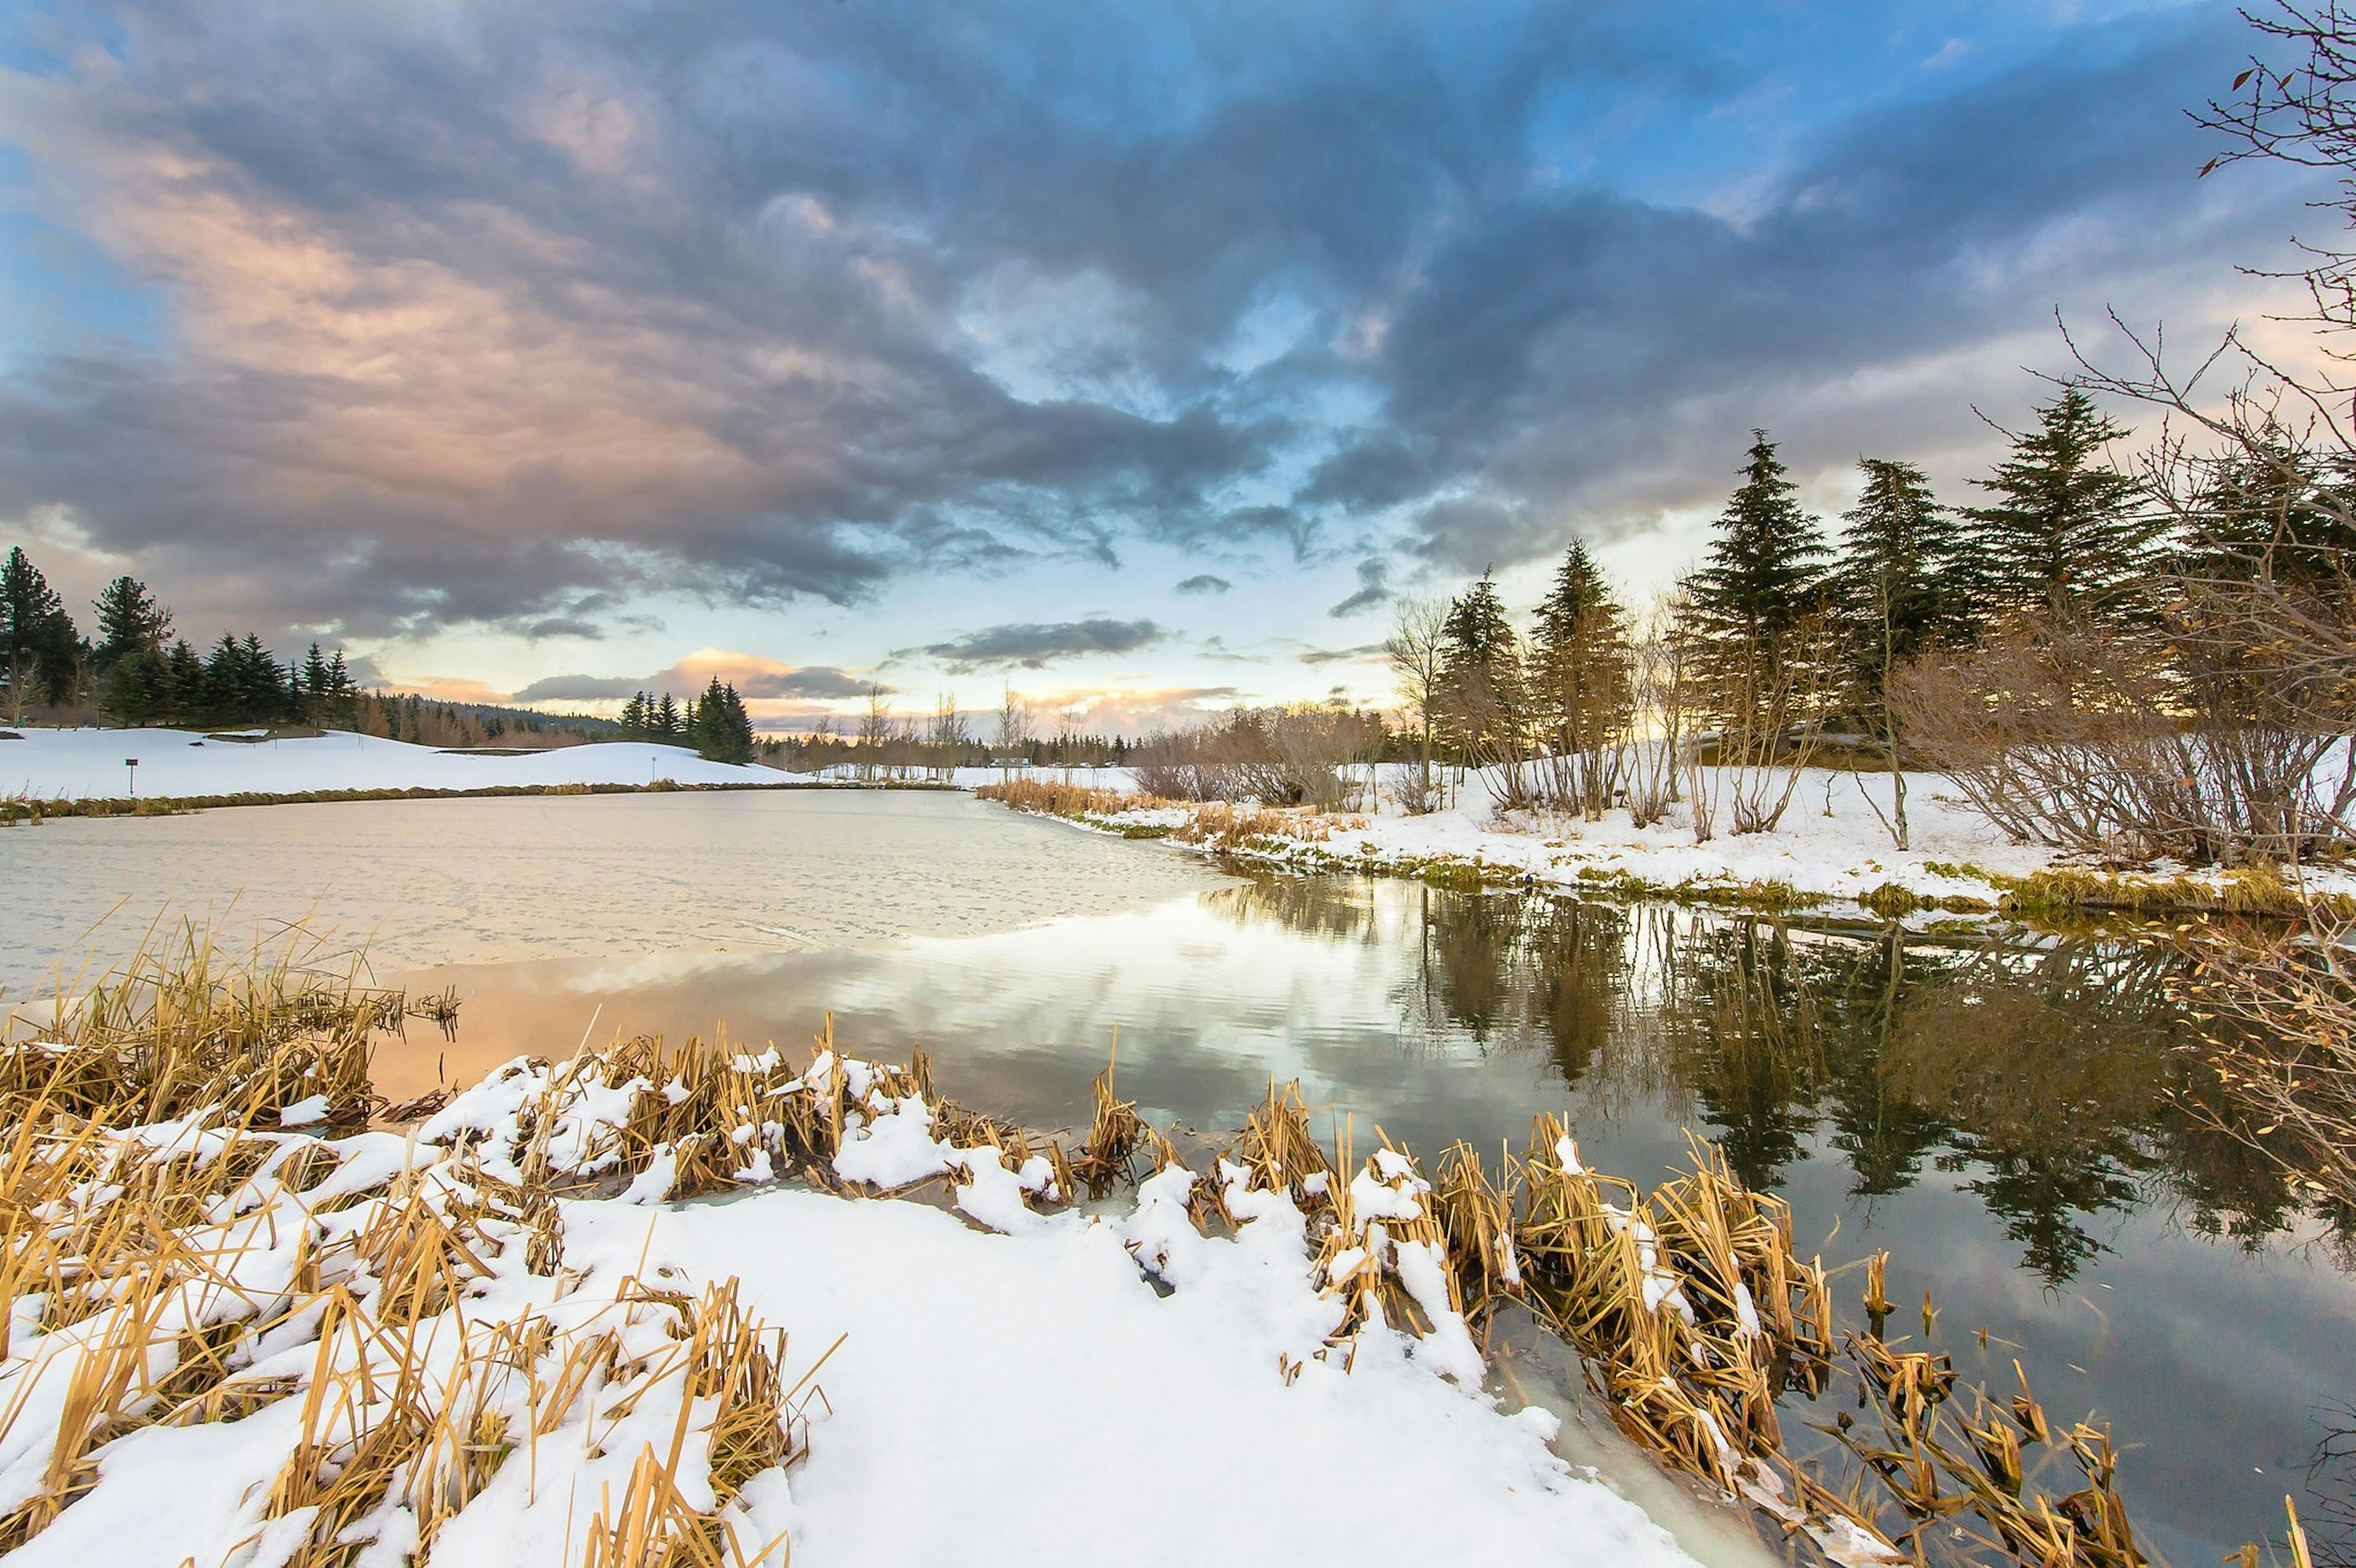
(82, 765)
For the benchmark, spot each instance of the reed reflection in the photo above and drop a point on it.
(2048, 1079)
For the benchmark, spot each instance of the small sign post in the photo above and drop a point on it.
(133, 763)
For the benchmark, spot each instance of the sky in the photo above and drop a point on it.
(1141, 357)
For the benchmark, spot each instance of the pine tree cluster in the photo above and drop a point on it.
(2059, 533)
(2062, 534)
(137, 673)
(715, 723)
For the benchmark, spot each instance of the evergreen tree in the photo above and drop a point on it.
(2281, 511)
(634, 716)
(1478, 638)
(138, 690)
(1578, 667)
(1898, 586)
(343, 693)
(242, 684)
(666, 720)
(129, 622)
(1481, 673)
(261, 687)
(224, 683)
(1766, 567)
(39, 649)
(185, 692)
(721, 730)
(1578, 617)
(312, 687)
(1898, 590)
(2063, 536)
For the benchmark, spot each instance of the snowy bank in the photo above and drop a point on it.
(88, 764)
(387, 1343)
(1831, 847)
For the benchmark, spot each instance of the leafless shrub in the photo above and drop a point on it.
(1315, 756)
(1768, 702)
(1172, 768)
(1582, 756)
(2127, 743)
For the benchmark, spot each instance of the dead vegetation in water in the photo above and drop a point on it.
(1694, 1315)
(1692, 1312)
(1226, 825)
(1052, 797)
(183, 1025)
(1223, 825)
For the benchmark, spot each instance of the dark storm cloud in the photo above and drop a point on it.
(752, 678)
(1204, 582)
(1582, 358)
(1032, 645)
(812, 680)
(579, 689)
(481, 315)
(1374, 588)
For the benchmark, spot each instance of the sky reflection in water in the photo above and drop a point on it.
(1999, 1119)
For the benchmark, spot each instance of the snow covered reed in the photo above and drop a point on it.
(386, 1347)
(271, 1037)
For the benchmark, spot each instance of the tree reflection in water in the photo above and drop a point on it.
(2049, 1078)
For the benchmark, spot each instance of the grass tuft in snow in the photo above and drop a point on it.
(390, 1335)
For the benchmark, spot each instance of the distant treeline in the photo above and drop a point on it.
(879, 743)
(135, 672)
(407, 716)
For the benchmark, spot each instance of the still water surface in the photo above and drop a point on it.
(454, 881)
(1999, 1116)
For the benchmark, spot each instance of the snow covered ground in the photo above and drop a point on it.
(1031, 1398)
(87, 764)
(1831, 844)
(1049, 1387)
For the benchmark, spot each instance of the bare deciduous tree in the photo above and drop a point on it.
(945, 736)
(1014, 731)
(874, 732)
(1413, 649)
(1659, 697)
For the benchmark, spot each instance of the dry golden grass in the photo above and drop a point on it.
(1221, 826)
(127, 1245)
(181, 1026)
(1208, 824)
(1049, 798)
